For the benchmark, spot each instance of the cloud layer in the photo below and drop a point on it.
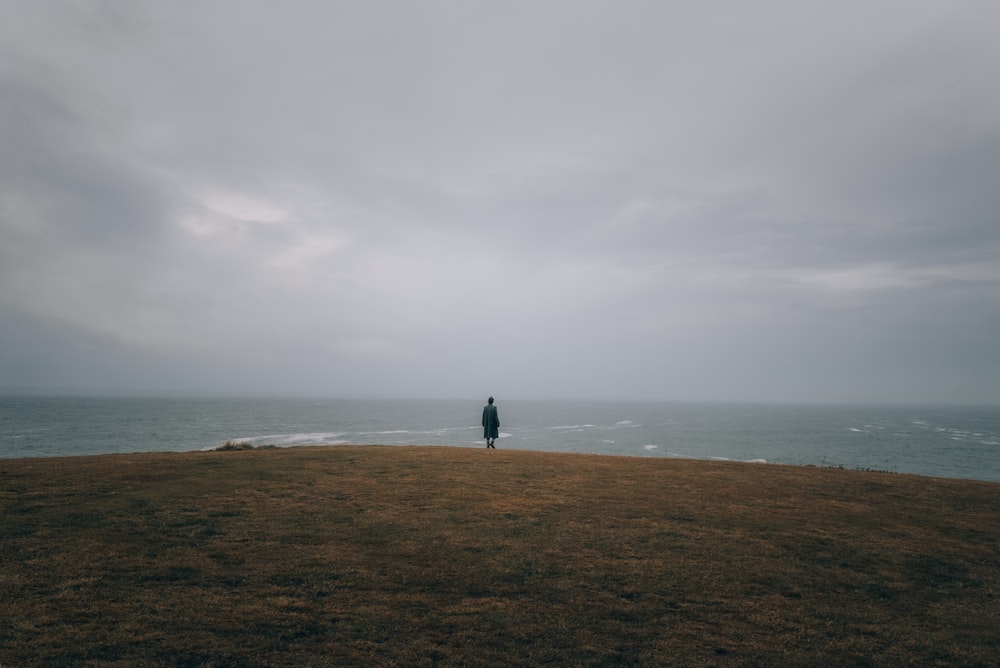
(540, 199)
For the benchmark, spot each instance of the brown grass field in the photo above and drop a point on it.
(440, 556)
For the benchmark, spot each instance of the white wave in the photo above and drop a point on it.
(650, 447)
(756, 461)
(276, 439)
(624, 422)
(257, 439)
(859, 431)
(578, 427)
(384, 433)
(721, 459)
(607, 441)
(297, 439)
(443, 430)
(287, 440)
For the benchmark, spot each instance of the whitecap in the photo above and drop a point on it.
(289, 439)
(650, 447)
(293, 439)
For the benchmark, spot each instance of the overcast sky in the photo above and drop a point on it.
(787, 200)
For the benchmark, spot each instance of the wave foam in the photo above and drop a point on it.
(301, 438)
(289, 440)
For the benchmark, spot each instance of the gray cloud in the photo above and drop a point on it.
(793, 201)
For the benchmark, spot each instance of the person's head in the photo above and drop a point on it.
(490, 400)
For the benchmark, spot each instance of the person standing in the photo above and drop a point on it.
(491, 424)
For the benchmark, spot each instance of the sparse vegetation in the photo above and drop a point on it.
(450, 556)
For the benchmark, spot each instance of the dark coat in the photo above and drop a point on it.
(491, 422)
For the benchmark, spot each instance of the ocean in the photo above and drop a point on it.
(954, 442)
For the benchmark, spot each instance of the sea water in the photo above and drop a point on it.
(959, 442)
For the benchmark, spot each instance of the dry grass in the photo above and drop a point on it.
(449, 556)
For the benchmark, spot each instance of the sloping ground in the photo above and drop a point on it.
(449, 556)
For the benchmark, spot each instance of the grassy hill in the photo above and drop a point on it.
(450, 556)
